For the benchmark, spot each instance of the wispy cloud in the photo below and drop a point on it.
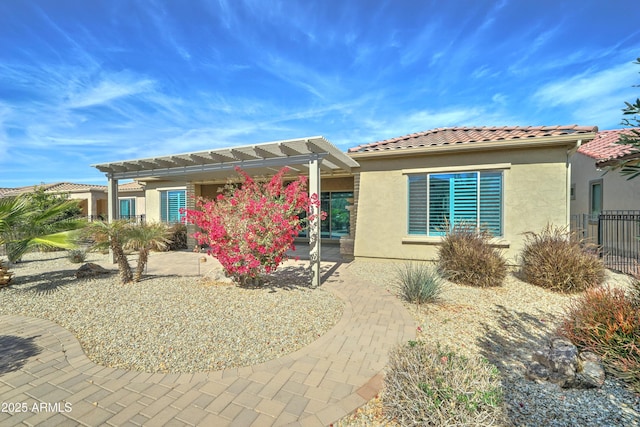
(107, 90)
(587, 86)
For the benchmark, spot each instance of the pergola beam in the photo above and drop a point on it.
(213, 167)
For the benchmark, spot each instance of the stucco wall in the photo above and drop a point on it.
(535, 193)
(617, 192)
(152, 197)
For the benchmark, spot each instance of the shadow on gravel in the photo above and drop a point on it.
(509, 344)
(45, 283)
(299, 276)
(16, 351)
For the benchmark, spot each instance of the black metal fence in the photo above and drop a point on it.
(133, 218)
(617, 233)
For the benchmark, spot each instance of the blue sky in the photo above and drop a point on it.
(85, 82)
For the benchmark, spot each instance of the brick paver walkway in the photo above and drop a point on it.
(46, 379)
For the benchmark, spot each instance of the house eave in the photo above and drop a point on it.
(568, 141)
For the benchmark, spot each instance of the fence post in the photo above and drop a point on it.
(600, 244)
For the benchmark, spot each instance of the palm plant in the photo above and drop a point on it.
(24, 227)
(112, 235)
(144, 238)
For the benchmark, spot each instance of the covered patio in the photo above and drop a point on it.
(311, 156)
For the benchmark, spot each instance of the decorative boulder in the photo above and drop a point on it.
(91, 270)
(562, 364)
(592, 374)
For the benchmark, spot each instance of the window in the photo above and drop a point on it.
(338, 219)
(170, 204)
(440, 200)
(127, 208)
(595, 199)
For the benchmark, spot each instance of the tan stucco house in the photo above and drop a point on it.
(509, 180)
(392, 198)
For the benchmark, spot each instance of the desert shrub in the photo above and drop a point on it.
(418, 283)
(5, 275)
(178, 237)
(466, 257)
(558, 260)
(250, 226)
(606, 321)
(434, 386)
(77, 256)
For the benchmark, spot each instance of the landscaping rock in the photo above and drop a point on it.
(592, 374)
(91, 270)
(563, 365)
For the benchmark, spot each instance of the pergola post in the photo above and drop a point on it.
(112, 206)
(314, 223)
(112, 199)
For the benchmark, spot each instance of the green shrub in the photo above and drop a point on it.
(606, 321)
(77, 256)
(556, 259)
(177, 237)
(466, 257)
(418, 283)
(432, 386)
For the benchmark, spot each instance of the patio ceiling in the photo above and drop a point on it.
(260, 159)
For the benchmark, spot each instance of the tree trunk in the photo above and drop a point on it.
(143, 257)
(123, 263)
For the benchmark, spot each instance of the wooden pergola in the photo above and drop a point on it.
(312, 156)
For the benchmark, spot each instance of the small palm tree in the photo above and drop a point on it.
(144, 238)
(112, 235)
(23, 227)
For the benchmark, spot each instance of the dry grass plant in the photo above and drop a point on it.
(426, 385)
(558, 260)
(466, 256)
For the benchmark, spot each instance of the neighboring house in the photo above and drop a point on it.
(131, 201)
(392, 198)
(93, 198)
(593, 189)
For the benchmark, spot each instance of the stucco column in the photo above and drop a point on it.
(112, 206)
(314, 224)
(112, 199)
(191, 205)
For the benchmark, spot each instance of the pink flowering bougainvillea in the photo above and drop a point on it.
(250, 227)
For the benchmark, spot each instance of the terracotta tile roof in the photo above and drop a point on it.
(470, 135)
(131, 186)
(603, 147)
(4, 191)
(69, 187)
(58, 187)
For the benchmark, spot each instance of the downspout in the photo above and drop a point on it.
(570, 152)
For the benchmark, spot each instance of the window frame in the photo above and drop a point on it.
(132, 207)
(596, 182)
(165, 217)
(452, 174)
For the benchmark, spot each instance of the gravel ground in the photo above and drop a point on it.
(170, 323)
(505, 325)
